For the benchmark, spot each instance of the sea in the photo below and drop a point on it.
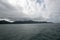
(43, 31)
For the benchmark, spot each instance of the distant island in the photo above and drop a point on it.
(22, 22)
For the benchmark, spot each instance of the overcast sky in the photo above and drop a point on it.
(47, 10)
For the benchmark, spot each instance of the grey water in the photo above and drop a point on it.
(30, 31)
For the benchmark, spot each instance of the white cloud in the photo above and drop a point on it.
(31, 9)
(53, 7)
(9, 11)
(27, 8)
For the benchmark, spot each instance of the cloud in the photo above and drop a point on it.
(22, 9)
(47, 10)
(53, 7)
(9, 11)
(6, 20)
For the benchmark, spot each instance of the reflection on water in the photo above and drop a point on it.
(30, 32)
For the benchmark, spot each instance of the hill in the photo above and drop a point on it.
(21, 22)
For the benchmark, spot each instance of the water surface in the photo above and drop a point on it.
(30, 31)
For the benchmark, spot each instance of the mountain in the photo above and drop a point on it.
(4, 22)
(21, 22)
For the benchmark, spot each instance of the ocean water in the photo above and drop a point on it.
(30, 31)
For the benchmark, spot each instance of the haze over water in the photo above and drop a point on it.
(30, 31)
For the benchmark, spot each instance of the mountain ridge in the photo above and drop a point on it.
(22, 22)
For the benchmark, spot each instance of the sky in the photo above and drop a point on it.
(37, 10)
